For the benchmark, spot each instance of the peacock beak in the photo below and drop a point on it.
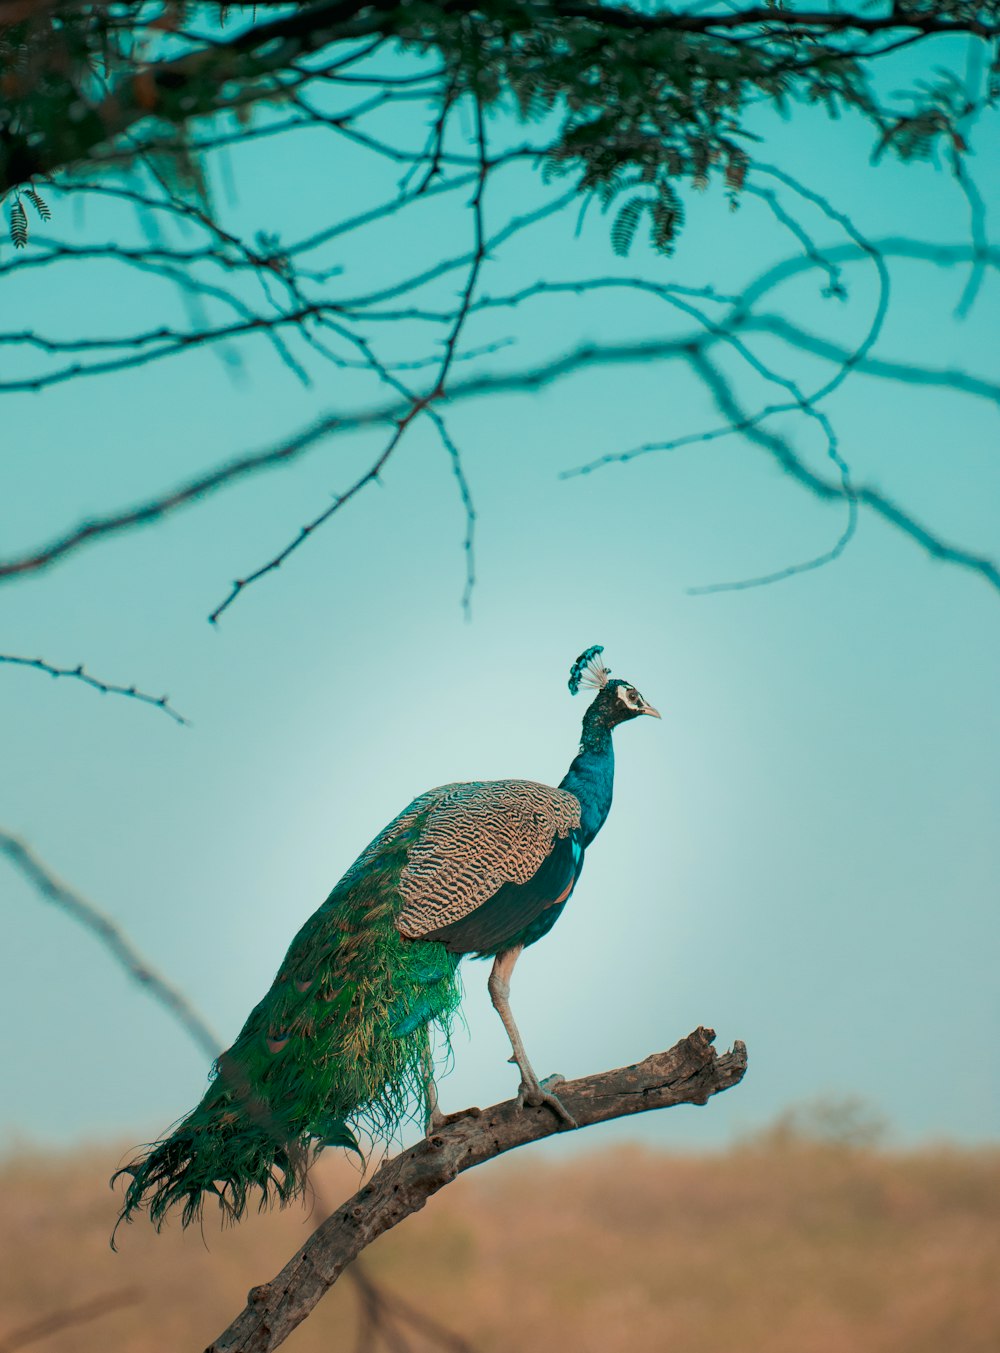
(648, 709)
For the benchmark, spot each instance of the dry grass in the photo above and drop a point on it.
(781, 1246)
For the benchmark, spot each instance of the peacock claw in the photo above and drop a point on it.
(536, 1095)
(436, 1120)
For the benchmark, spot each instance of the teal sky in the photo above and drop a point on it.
(803, 854)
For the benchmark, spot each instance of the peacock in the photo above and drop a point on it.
(341, 1044)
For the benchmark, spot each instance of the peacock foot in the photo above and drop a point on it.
(436, 1120)
(533, 1094)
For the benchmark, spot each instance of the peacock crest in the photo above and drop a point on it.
(589, 670)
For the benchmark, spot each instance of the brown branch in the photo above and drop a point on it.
(196, 84)
(68, 1318)
(689, 1073)
(478, 252)
(772, 20)
(105, 687)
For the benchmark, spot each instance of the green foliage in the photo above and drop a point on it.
(19, 217)
(39, 204)
(666, 217)
(626, 222)
(639, 103)
(18, 224)
(641, 94)
(938, 112)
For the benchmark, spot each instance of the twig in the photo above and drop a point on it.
(977, 226)
(105, 687)
(478, 252)
(877, 501)
(808, 404)
(525, 381)
(369, 477)
(689, 1073)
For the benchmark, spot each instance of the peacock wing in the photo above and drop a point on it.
(483, 840)
(324, 1040)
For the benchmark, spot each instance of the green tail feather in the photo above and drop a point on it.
(339, 1046)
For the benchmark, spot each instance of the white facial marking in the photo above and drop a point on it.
(630, 698)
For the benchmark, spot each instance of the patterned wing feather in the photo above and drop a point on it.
(475, 838)
(518, 913)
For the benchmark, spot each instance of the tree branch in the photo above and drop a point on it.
(221, 75)
(105, 687)
(693, 347)
(689, 1073)
(774, 19)
(114, 939)
(67, 1318)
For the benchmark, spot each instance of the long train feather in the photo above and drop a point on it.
(338, 1047)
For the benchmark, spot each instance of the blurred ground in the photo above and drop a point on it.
(788, 1244)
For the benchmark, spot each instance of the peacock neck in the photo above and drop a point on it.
(591, 776)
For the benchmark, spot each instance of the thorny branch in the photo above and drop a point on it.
(417, 405)
(401, 411)
(105, 687)
(302, 306)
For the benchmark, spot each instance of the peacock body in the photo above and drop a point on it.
(341, 1045)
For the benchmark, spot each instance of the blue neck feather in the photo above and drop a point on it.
(591, 776)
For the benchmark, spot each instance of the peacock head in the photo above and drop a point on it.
(616, 700)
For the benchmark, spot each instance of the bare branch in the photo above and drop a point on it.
(792, 465)
(370, 476)
(69, 1318)
(524, 381)
(115, 941)
(689, 1073)
(907, 373)
(478, 252)
(773, 18)
(192, 491)
(105, 687)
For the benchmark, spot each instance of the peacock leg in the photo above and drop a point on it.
(434, 1118)
(532, 1092)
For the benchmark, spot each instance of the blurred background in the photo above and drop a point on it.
(803, 854)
